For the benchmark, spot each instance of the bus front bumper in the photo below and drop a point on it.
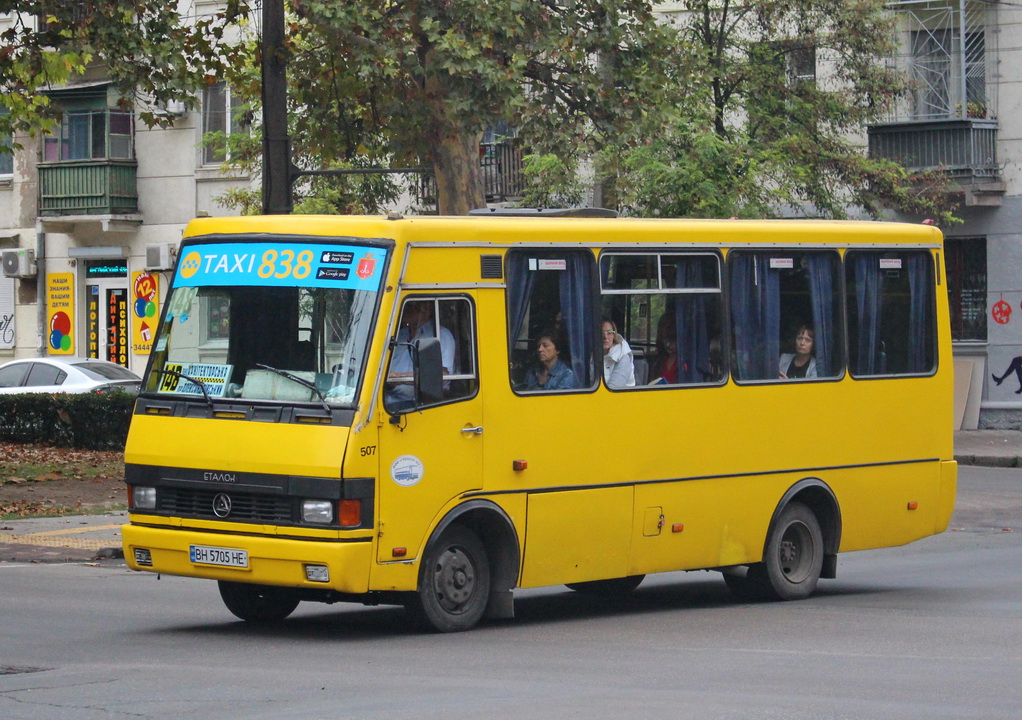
(283, 562)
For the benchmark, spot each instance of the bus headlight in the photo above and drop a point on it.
(317, 512)
(143, 498)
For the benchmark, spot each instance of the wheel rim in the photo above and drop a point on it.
(795, 553)
(454, 580)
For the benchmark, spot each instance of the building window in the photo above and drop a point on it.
(936, 68)
(6, 152)
(93, 134)
(966, 262)
(222, 116)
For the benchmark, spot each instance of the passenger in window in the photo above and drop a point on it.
(416, 322)
(664, 369)
(550, 373)
(801, 363)
(618, 366)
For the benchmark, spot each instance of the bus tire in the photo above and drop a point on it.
(793, 556)
(258, 603)
(454, 582)
(615, 587)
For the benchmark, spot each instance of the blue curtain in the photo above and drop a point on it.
(755, 316)
(869, 301)
(920, 275)
(578, 315)
(690, 323)
(519, 290)
(820, 267)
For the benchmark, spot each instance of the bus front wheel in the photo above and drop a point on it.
(258, 603)
(454, 584)
(794, 554)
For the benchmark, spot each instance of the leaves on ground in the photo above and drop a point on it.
(37, 480)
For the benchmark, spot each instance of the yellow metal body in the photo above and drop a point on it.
(617, 483)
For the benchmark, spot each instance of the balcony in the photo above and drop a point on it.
(88, 187)
(965, 149)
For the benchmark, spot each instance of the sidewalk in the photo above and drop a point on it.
(90, 538)
(71, 538)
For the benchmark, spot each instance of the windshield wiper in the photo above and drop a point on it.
(189, 378)
(301, 381)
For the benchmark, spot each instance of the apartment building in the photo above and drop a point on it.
(962, 118)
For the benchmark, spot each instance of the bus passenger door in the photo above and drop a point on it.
(432, 452)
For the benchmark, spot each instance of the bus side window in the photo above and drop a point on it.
(891, 312)
(550, 302)
(776, 295)
(456, 332)
(669, 309)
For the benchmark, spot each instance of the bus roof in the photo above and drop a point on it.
(570, 230)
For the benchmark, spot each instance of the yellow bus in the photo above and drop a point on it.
(436, 411)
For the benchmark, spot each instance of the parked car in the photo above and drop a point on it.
(66, 375)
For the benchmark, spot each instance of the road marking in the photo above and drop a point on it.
(47, 539)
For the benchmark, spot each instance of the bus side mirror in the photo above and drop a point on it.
(429, 371)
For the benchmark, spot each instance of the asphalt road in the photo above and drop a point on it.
(931, 630)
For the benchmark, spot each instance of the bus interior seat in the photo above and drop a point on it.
(641, 369)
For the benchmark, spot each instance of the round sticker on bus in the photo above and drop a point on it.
(406, 470)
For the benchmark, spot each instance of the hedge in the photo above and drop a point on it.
(89, 421)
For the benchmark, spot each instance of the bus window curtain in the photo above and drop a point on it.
(869, 300)
(519, 289)
(756, 316)
(578, 314)
(690, 324)
(820, 268)
(920, 275)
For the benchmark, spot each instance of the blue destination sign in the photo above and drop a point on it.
(281, 264)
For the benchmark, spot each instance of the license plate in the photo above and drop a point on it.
(226, 557)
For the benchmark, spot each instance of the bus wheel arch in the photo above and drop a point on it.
(486, 523)
(815, 494)
(800, 547)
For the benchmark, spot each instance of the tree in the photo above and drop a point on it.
(760, 133)
(141, 45)
(418, 81)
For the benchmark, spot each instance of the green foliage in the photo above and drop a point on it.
(414, 84)
(753, 131)
(143, 46)
(89, 420)
(551, 182)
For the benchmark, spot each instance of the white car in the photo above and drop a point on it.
(66, 375)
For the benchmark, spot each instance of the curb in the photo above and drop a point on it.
(34, 553)
(1002, 461)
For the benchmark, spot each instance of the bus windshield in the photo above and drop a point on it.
(268, 321)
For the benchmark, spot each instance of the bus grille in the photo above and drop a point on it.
(245, 507)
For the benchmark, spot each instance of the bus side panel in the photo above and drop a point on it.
(705, 523)
(577, 535)
(888, 505)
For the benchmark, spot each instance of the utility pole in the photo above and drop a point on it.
(277, 169)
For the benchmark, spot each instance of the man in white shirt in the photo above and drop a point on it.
(417, 321)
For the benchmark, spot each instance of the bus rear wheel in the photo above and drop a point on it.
(258, 603)
(614, 587)
(794, 554)
(454, 583)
